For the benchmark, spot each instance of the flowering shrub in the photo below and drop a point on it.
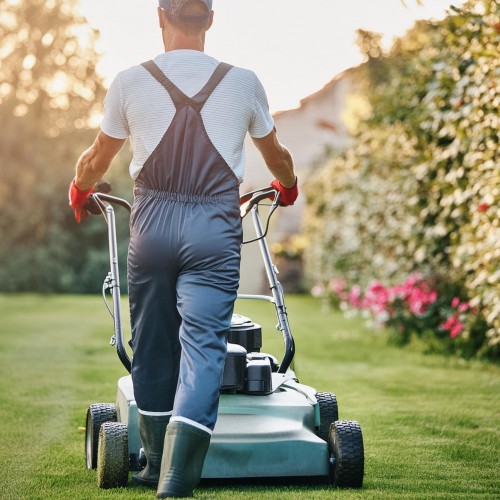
(419, 189)
(414, 307)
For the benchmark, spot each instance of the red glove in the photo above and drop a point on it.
(77, 200)
(288, 195)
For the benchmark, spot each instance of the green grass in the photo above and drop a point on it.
(430, 424)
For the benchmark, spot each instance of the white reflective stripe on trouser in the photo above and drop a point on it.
(191, 422)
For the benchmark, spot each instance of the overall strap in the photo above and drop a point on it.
(178, 97)
(220, 72)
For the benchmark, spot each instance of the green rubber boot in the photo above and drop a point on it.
(152, 430)
(184, 453)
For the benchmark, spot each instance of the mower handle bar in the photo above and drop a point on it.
(249, 202)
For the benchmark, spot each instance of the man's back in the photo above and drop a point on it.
(137, 105)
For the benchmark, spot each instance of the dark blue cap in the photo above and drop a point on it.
(175, 8)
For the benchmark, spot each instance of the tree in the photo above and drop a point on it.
(49, 97)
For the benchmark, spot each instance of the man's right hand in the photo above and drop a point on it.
(77, 200)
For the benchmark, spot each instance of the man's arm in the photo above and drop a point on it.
(278, 159)
(95, 161)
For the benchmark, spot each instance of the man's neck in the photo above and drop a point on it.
(178, 41)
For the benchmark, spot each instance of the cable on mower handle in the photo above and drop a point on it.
(250, 201)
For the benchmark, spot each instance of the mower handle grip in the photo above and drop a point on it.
(113, 200)
(95, 203)
(249, 200)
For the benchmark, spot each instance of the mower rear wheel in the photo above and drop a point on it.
(328, 413)
(346, 454)
(112, 456)
(97, 414)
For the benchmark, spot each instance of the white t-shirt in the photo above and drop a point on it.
(137, 105)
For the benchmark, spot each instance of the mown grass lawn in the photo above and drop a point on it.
(430, 424)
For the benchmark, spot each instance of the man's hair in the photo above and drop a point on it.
(195, 10)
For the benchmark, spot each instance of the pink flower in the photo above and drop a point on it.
(377, 298)
(460, 306)
(453, 325)
(420, 296)
(448, 323)
(463, 307)
(457, 329)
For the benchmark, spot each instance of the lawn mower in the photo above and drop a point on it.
(269, 425)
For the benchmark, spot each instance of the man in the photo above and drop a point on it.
(187, 116)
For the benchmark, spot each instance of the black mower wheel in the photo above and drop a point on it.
(112, 456)
(328, 413)
(346, 454)
(97, 414)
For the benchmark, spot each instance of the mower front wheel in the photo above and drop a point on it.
(97, 414)
(112, 456)
(347, 457)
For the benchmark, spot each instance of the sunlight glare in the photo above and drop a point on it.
(29, 61)
(57, 85)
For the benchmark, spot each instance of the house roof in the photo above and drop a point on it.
(319, 93)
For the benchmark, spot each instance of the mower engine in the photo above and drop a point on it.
(247, 370)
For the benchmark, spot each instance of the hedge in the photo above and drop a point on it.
(419, 189)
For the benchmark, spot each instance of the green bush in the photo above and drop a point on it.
(419, 190)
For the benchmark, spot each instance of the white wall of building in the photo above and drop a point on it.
(308, 131)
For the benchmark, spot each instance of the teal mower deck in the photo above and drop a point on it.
(269, 425)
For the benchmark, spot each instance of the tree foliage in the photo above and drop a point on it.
(420, 188)
(49, 96)
(48, 70)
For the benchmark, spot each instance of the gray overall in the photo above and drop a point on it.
(183, 264)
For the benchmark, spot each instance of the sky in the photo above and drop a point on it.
(294, 46)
